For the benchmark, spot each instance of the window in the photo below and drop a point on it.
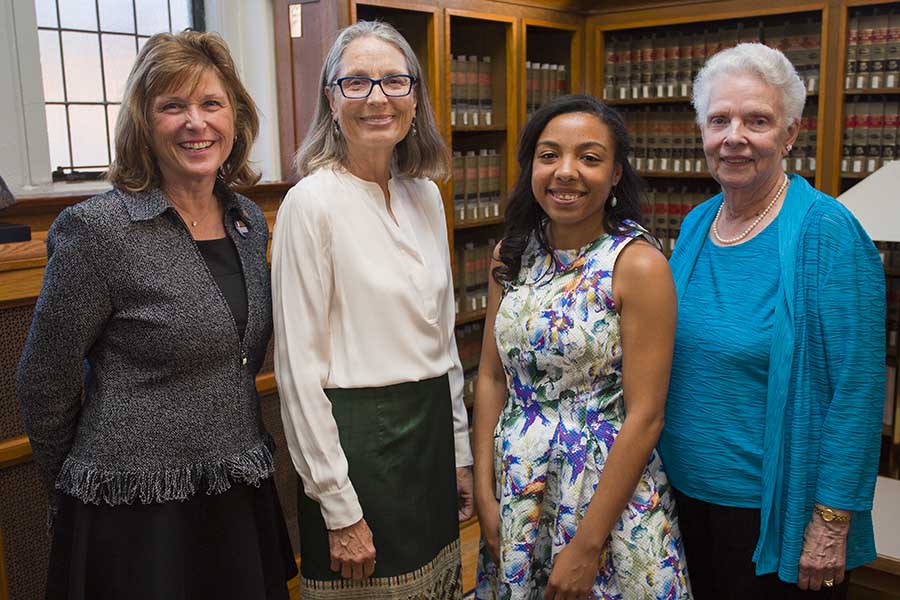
(87, 48)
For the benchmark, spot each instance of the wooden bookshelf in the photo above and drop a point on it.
(873, 92)
(469, 317)
(651, 101)
(867, 91)
(479, 223)
(557, 45)
(645, 60)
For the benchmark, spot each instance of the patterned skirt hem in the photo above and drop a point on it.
(439, 579)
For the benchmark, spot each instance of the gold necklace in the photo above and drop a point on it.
(747, 231)
(193, 221)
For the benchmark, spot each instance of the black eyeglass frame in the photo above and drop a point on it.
(412, 83)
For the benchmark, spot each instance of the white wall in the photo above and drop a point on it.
(248, 28)
(24, 157)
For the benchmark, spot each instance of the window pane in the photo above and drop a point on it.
(152, 16)
(141, 42)
(112, 112)
(118, 56)
(181, 14)
(117, 15)
(82, 62)
(51, 66)
(88, 125)
(46, 12)
(78, 14)
(58, 136)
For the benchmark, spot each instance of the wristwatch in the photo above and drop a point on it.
(828, 515)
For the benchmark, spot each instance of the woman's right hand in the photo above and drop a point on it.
(489, 521)
(352, 551)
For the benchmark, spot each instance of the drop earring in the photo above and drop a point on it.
(412, 128)
(612, 199)
(336, 129)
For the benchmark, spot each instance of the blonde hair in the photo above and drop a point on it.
(421, 155)
(167, 62)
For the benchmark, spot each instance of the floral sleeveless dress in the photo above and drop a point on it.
(557, 332)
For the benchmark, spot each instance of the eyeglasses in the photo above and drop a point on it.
(357, 87)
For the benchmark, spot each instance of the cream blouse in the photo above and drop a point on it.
(359, 301)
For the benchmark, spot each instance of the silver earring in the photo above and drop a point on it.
(788, 147)
(336, 129)
(613, 200)
(412, 128)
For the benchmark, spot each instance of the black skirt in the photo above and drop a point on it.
(232, 545)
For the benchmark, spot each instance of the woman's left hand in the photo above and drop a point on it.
(464, 493)
(824, 554)
(574, 572)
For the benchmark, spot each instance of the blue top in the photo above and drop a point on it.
(822, 432)
(712, 445)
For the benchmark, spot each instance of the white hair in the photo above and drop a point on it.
(755, 59)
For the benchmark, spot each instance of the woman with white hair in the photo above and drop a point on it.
(365, 357)
(773, 416)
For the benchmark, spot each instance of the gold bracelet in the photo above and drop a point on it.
(829, 516)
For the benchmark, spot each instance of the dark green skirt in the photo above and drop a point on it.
(399, 445)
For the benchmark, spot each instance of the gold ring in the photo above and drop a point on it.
(829, 582)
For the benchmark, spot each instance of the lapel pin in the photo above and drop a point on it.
(241, 227)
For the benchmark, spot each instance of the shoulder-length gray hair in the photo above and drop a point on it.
(421, 155)
(756, 59)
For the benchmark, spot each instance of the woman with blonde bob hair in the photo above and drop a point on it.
(365, 355)
(156, 307)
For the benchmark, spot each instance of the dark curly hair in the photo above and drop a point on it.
(524, 216)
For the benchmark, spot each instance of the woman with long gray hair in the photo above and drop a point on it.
(365, 356)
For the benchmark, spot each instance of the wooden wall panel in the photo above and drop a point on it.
(23, 522)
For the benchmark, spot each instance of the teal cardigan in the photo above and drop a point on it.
(826, 373)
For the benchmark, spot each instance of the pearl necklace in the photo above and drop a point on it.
(747, 231)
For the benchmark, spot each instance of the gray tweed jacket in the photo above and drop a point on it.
(129, 314)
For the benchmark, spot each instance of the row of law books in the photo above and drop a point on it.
(667, 140)
(892, 328)
(663, 63)
(471, 91)
(873, 50)
(468, 344)
(663, 210)
(477, 185)
(870, 136)
(473, 264)
(891, 419)
(543, 82)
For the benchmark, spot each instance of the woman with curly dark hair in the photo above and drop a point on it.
(571, 496)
